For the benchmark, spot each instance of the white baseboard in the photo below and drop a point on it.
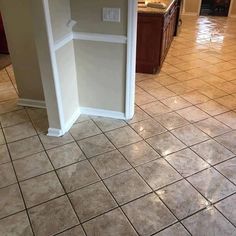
(102, 113)
(55, 132)
(31, 103)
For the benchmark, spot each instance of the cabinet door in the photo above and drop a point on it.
(3, 41)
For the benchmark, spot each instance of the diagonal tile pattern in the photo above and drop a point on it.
(170, 171)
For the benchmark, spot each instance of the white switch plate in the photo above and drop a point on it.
(111, 14)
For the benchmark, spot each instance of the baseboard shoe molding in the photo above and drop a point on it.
(31, 103)
(102, 113)
(190, 14)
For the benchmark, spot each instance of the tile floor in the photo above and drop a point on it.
(170, 171)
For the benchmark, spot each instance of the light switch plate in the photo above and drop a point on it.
(111, 14)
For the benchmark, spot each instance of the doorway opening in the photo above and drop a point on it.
(215, 7)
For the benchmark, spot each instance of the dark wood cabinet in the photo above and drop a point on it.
(155, 34)
(3, 41)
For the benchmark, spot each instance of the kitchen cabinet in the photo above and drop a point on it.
(3, 40)
(156, 31)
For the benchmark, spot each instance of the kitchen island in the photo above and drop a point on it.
(156, 29)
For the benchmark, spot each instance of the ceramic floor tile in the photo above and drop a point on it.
(190, 135)
(2, 139)
(180, 89)
(212, 127)
(76, 231)
(37, 114)
(9, 106)
(65, 155)
(212, 185)
(158, 173)
(166, 80)
(52, 142)
(175, 230)
(41, 126)
(195, 97)
(7, 176)
(155, 108)
(4, 155)
(227, 168)
(182, 205)
(20, 131)
(228, 140)
(123, 136)
(139, 115)
(109, 223)
(209, 222)
(84, 130)
(41, 189)
(17, 224)
(92, 201)
(139, 153)
(227, 208)
(13, 118)
(228, 101)
(107, 124)
(11, 201)
(148, 128)
(142, 97)
(96, 145)
(127, 186)
(25, 147)
(32, 166)
(166, 144)
(109, 164)
(148, 214)
(212, 152)
(186, 162)
(161, 93)
(148, 84)
(52, 217)
(228, 118)
(193, 114)
(212, 108)
(176, 103)
(171, 120)
(77, 175)
(212, 92)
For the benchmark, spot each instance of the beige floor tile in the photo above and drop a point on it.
(155, 108)
(127, 186)
(13, 118)
(195, 97)
(107, 124)
(145, 212)
(228, 101)
(212, 92)
(76, 231)
(180, 88)
(52, 217)
(148, 128)
(77, 176)
(17, 224)
(143, 97)
(186, 162)
(212, 127)
(227, 168)
(41, 189)
(227, 87)
(96, 145)
(182, 205)
(158, 173)
(193, 114)
(92, 201)
(213, 108)
(37, 114)
(212, 185)
(9, 106)
(209, 222)
(161, 93)
(84, 130)
(148, 84)
(123, 136)
(228, 75)
(166, 80)
(175, 230)
(165, 144)
(139, 115)
(41, 126)
(139, 153)
(25, 147)
(107, 224)
(183, 76)
(2, 139)
(109, 164)
(7, 176)
(32, 166)
(11, 200)
(228, 118)
(52, 142)
(17, 132)
(228, 140)
(4, 155)
(176, 103)
(65, 155)
(227, 207)
(83, 118)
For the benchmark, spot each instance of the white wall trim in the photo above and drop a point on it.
(55, 132)
(131, 58)
(31, 103)
(62, 42)
(102, 113)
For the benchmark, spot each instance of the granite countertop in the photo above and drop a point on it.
(144, 9)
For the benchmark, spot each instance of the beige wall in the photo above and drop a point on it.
(17, 17)
(233, 11)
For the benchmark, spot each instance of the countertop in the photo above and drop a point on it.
(144, 9)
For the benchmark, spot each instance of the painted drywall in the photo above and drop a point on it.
(233, 9)
(88, 14)
(101, 69)
(17, 17)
